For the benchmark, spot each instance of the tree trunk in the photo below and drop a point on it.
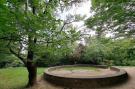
(32, 70)
(31, 66)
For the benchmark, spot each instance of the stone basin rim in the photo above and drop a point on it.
(119, 72)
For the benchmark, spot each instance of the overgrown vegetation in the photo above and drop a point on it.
(110, 52)
(120, 52)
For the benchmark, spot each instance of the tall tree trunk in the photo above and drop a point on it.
(32, 70)
(31, 66)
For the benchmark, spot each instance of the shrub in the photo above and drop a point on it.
(120, 52)
(9, 61)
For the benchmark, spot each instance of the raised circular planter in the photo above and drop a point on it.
(118, 76)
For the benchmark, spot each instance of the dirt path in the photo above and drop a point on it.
(130, 84)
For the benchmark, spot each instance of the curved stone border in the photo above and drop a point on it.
(92, 82)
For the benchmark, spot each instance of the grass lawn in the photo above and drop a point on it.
(15, 78)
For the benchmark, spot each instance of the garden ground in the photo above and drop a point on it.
(130, 84)
(16, 78)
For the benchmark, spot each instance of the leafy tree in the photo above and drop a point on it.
(116, 16)
(106, 50)
(121, 51)
(96, 51)
(75, 57)
(29, 27)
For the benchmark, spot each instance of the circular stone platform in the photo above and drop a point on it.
(81, 76)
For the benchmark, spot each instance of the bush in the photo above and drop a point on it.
(120, 52)
(9, 61)
(52, 58)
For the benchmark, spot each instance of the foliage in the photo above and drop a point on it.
(6, 58)
(77, 53)
(9, 61)
(123, 52)
(52, 58)
(108, 51)
(35, 29)
(116, 16)
(95, 51)
(30, 28)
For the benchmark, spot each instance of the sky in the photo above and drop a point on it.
(85, 9)
(82, 9)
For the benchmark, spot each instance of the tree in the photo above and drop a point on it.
(29, 26)
(114, 16)
(109, 51)
(77, 53)
(96, 50)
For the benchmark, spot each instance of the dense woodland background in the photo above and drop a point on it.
(116, 18)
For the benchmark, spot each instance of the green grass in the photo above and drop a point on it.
(80, 68)
(15, 78)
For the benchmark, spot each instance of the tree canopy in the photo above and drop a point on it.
(30, 28)
(116, 16)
